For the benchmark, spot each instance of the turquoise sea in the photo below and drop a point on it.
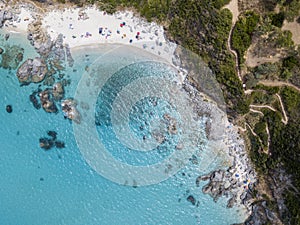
(58, 186)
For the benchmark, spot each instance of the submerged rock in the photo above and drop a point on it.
(47, 102)
(58, 91)
(6, 37)
(59, 144)
(191, 199)
(9, 108)
(32, 70)
(12, 57)
(52, 134)
(34, 99)
(46, 143)
(70, 111)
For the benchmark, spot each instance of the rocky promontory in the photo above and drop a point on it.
(32, 70)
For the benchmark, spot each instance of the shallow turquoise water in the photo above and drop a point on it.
(59, 187)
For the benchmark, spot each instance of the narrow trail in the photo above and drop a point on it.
(252, 131)
(269, 138)
(286, 119)
(278, 83)
(263, 106)
(233, 7)
(256, 111)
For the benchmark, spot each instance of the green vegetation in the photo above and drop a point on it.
(277, 19)
(291, 8)
(257, 156)
(284, 40)
(260, 130)
(285, 146)
(242, 33)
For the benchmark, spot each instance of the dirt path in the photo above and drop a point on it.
(286, 119)
(277, 83)
(269, 138)
(263, 106)
(234, 9)
(256, 111)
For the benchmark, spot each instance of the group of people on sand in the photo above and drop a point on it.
(105, 32)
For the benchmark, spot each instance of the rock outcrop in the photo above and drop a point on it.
(47, 101)
(58, 91)
(39, 38)
(32, 70)
(70, 111)
(5, 15)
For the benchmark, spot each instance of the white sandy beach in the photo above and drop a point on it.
(81, 28)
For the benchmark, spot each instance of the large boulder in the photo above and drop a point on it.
(32, 70)
(47, 101)
(58, 91)
(70, 111)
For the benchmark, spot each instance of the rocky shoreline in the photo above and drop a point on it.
(53, 56)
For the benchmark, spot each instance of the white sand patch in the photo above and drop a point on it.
(79, 32)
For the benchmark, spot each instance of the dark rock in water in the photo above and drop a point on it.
(1, 50)
(46, 143)
(191, 199)
(41, 179)
(34, 100)
(6, 37)
(9, 108)
(194, 160)
(65, 82)
(59, 144)
(47, 101)
(49, 80)
(20, 57)
(52, 134)
(134, 184)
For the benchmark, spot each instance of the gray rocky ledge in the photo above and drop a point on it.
(32, 70)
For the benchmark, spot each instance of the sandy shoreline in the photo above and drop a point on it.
(90, 26)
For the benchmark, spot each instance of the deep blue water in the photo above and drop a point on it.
(59, 187)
